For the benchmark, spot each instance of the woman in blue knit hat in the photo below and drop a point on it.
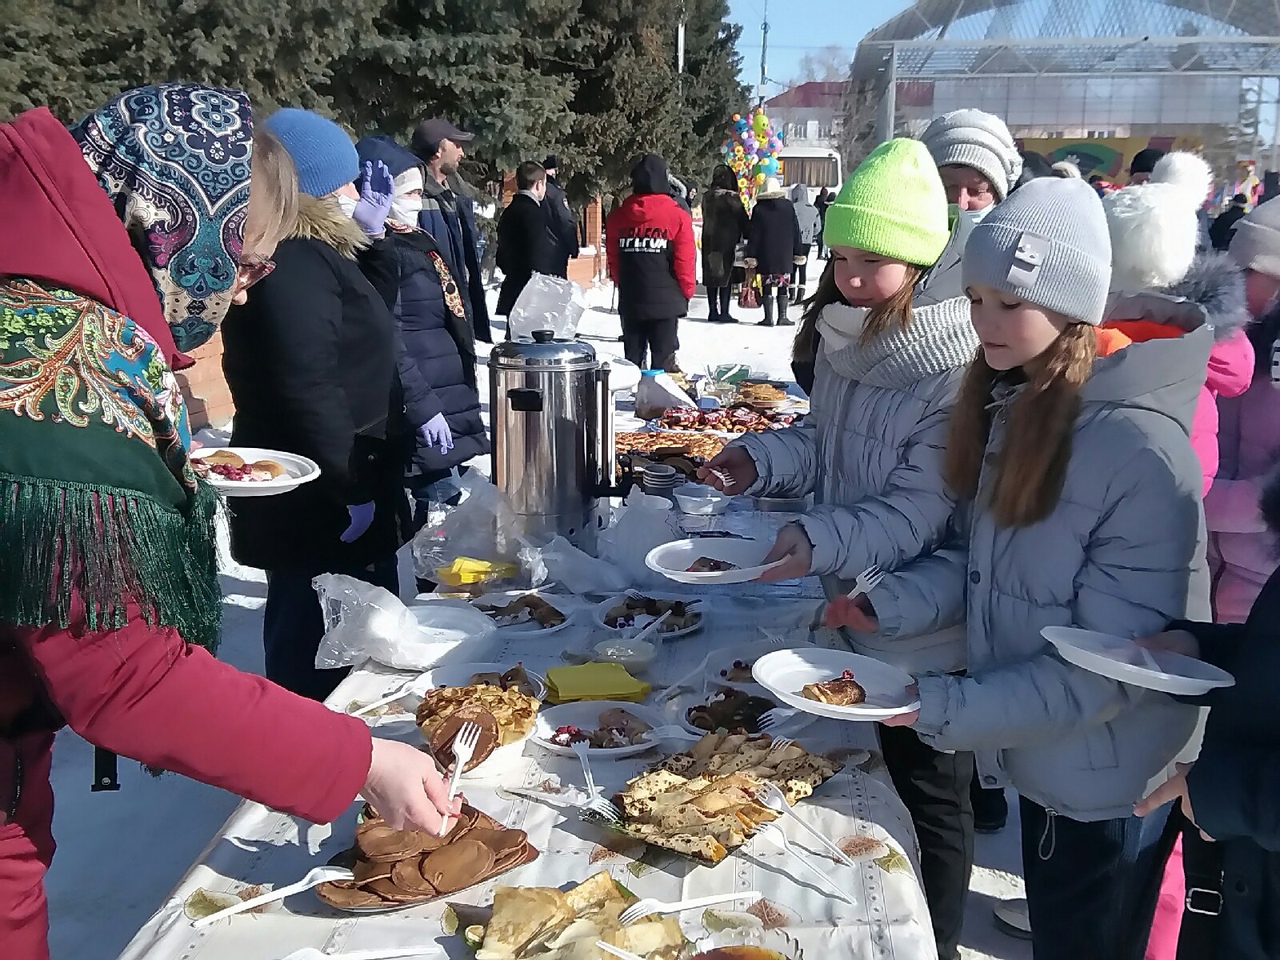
(311, 363)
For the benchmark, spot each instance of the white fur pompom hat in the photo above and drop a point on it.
(1155, 225)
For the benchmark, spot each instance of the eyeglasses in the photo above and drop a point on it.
(250, 272)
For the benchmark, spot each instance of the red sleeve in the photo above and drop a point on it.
(144, 693)
(611, 245)
(686, 252)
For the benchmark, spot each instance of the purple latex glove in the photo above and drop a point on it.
(377, 191)
(435, 433)
(361, 518)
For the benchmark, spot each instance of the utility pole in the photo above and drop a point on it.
(764, 52)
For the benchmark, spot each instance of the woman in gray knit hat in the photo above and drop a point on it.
(1080, 503)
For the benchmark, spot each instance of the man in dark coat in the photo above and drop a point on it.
(524, 245)
(724, 226)
(1232, 792)
(562, 226)
(649, 240)
(1224, 225)
(449, 215)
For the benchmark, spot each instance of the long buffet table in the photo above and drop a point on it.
(888, 918)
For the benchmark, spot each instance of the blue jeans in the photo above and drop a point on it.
(1087, 883)
(293, 625)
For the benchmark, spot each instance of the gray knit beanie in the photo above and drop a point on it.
(974, 138)
(1047, 244)
(1255, 245)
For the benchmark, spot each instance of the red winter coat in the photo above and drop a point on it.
(649, 240)
(141, 691)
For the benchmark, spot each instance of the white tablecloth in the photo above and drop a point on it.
(888, 920)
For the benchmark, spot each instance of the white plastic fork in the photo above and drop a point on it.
(774, 835)
(313, 878)
(396, 693)
(769, 794)
(618, 952)
(649, 907)
(866, 581)
(464, 748)
(594, 802)
(771, 718)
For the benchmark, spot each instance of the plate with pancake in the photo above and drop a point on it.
(253, 471)
(836, 684)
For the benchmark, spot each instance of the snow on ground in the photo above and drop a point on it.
(158, 827)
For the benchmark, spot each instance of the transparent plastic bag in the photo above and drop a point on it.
(561, 562)
(657, 393)
(364, 622)
(548, 303)
(644, 522)
(482, 526)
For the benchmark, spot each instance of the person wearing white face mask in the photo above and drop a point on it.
(980, 165)
(436, 358)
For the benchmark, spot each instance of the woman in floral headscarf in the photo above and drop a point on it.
(108, 580)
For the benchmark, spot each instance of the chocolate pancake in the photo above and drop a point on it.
(407, 875)
(441, 743)
(501, 841)
(458, 866)
(387, 890)
(366, 870)
(381, 844)
(515, 857)
(345, 895)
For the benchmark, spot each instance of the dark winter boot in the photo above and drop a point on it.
(782, 309)
(726, 295)
(713, 305)
(766, 301)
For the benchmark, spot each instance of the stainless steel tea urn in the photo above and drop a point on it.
(551, 414)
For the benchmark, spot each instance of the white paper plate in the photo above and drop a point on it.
(523, 631)
(663, 634)
(673, 560)
(1123, 660)
(791, 727)
(298, 470)
(785, 672)
(722, 658)
(586, 714)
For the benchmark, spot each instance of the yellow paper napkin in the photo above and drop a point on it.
(594, 681)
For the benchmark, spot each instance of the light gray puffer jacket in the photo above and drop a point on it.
(1122, 554)
(871, 450)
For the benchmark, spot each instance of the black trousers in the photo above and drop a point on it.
(293, 625)
(718, 302)
(934, 786)
(657, 340)
(800, 271)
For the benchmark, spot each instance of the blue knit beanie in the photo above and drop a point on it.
(322, 153)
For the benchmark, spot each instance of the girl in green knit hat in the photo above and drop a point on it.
(884, 378)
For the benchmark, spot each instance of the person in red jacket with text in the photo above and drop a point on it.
(649, 239)
(108, 576)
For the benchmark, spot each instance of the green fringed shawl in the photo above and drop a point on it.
(99, 508)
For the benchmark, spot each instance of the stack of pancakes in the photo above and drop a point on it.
(401, 867)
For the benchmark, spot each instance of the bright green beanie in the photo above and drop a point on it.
(894, 204)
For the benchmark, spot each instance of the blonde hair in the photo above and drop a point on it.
(273, 194)
(1031, 467)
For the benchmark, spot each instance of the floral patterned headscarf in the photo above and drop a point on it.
(175, 160)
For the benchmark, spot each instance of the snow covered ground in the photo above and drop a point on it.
(121, 853)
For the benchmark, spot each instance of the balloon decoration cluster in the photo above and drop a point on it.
(752, 151)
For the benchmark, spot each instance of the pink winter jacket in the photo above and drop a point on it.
(1241, 551)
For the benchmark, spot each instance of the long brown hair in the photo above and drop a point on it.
(894, 312)
(1032, 464)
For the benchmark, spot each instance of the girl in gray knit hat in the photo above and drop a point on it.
(1081, 496)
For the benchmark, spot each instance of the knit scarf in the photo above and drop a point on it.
(939, 338)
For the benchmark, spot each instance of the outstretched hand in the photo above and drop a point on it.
(377, 190)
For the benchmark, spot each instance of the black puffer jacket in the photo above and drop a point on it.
(1235, 784)
(773, 240)
(310, 360)
(724, 226)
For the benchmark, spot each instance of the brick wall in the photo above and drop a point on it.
(208, 399)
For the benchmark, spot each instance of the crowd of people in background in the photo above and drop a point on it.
(1035, 401)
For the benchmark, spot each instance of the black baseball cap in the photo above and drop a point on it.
(432, 131)
(551, 163)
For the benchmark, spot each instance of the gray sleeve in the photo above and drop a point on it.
(906, 519)
(786, 460)
(1135, 579)
(925, 596)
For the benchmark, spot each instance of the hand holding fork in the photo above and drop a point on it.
(854, 610)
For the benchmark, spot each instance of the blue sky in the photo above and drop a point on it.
(797, 27)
